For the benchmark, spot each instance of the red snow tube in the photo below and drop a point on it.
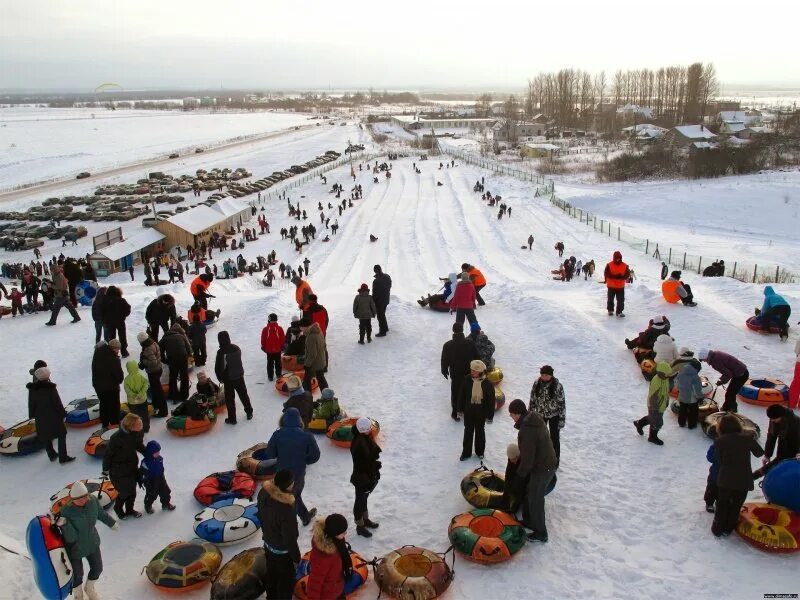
(224, 485)
(755, 325)
(440, 306)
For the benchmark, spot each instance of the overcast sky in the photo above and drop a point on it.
(274, 44)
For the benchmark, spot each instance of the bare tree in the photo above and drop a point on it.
(710, 88)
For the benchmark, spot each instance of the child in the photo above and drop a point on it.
(153, 478)
(16, 301)
(364, 310)
(272, 340)
(512, 494)
(136, 386)
(206, 386)
(657, 400)
(197, 335)
(327, 407)
(710, 495)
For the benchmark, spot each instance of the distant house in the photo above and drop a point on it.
(126, 253)
(507, 131)
(414, 122)
(634, 110)
(199, 223)
(684, 135)
(538, 150)
(748, 117)
(644, 132)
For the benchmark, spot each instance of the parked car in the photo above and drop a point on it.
(198, 150)
(174, 155)
(83, 175)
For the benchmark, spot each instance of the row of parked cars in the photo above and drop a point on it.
(24, 236)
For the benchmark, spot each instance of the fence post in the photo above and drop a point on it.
(734, 270)
(618, 234)
(669, 260)
(594, 223)
(699, 265)
(684, 261)
(777, 274)
(647, 247)
(755, 270)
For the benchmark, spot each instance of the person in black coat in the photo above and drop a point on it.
(230, 371)
(381, 289)
(366, 473)
(97, 314)
(456, 356)
(784, 429)
(121, 464)
(278, 519)
(476, 404)
(161, 314)
(114, 310)
(176, 348)
(45, 407)
(107, 376)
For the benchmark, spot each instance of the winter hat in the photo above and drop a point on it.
(477, 365)
(685, 352)
(676, 275)
(776, 411)
(364, 288)
(152, 447)
(36, 365)
(335, 524)
(224, 339)
(512, 451)
(702, 354)
(617, 255)
(78, 490)
(142, 337)
(42, 374)
(201, 375)
(546, 370)
(465, 266)
(517, 407)
(284, 479)
(474, 327)
(658, 323)
(377, 269)
(458, 328)
(364, 425)
(293, 383)
(464, 276)
(327, 394)
(296, 280)
(273, 317)
(115, 344)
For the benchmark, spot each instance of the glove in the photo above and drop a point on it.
(764, 461)
(60, 521)
(445, 375)
(115, 526)
(720, 382)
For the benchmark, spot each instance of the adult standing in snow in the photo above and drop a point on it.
(60, 290)
(463, 301)
(302, 292)
(365, 453)
(46, 409)
(315, 361)
(121, 464)
(457, 353)
(115, 310)
(279, 533)
(733, 372)
(537, 465)
(381, 291)
(78, 520)
(476, 404)
(272, 340)
(483, 345)
(530, 242)
(784, 428)
(306, 263)
(616, 274)
(295, 449)
(97, 314)
(107, 376)
(775, 311)
(657, 401)
(177, 349)
(161, 313)
(364, 310)
(199, 288)
(230, 371)
(477, 279)
(330, 564)
(547, 399)
(150, 361)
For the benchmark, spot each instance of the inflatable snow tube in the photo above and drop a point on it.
(769, 527)
(224, 486)
(486, 535)
(97, 443)
(184, 566)
(495, 375)
(227, 521)
(102, 489)
(484, 488)
(292, 363)
(241, 577)
(782, 484)
(83, 412)
(411, 572)
(341, 432)
(712, 422)
(708, 388)
(20, 439)
(52, 569)
(706, 409)
(764, 392)
(440, 306)
(499, 398)
(86, 291)
(255, 463)
(359, 576)
(281, 388)
(319, 425)
(754, 324)
(184, 426)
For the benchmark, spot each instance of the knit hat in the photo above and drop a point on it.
(702, 354)
(377, 269)
(364, 425)
(335, 524)
(42, 374)
(617, 255)
(115, 344)
(142, 337)
(153, 447)
(776, 411)
(273, 317)
(36, 365)
(284, 479)
(78, 490)
(546, 370)
(685, 352)
(474, 327)
(517, 407)
(364, 288)
(201, 375)
(458, 328)
(465, 266)
(512, 451)
(293, 383)
(327, 394)
(464, 276)
(676, 275)
(477, 365)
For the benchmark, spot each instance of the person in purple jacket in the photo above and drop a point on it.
(734, 373)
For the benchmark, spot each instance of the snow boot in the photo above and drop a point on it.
(422, 302)
(369, 338)
(148, 508)
(629, 344)
(640, 426)
(710, 508)
(535, 536)
(362, 530)
(653, 437)
(168, 506)
(311, 514)
(77, 593)
(621, 315)
(91, 593)
(368, 523)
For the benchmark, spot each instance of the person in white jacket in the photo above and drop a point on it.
(665, 349)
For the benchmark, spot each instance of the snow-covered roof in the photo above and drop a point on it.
(647, 130)
(695, 132)
(230, 206)
(735, 126)
(139, 240)
(197, 219)
(635, 108)
(735, 141)
(543, 147)
(741, 116)
(703, 145)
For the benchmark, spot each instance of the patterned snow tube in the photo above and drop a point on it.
(764, 392)
(185, 426)
(341, 432)
(782, 484)
(769, 527)
(83, 412)
(184, 566)
(753, 324)
(86, 291)
(706, 409)
(712, 422)
(255, 463)
(97, 443)
(708, 388)
(412, 573)
(282, 388)
(484, 488)
(358, 578)
(52, 569)
(495, 375)
(107, 494)
(20, 439)
(227, 521)
(486, 535)
(241, 577)
(499, 398)
(223, 486)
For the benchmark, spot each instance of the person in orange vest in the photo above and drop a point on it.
(206, 316)
(302, 293)
(199, 289)
(477, 279)
(616, 274)
(673, 290)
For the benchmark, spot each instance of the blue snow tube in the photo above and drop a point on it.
(52, 568)
(781, 485)
(227, 521)
(85, 292)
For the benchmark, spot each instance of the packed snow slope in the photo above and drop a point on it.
(626, 519)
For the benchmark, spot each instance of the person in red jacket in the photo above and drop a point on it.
(463, 301)
(616, 274)
(272, 340)
(318, 313)
(330, 564)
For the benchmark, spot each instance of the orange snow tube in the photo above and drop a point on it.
(280, 386)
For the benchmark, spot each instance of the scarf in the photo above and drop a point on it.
(343, 548)
(477, 390)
